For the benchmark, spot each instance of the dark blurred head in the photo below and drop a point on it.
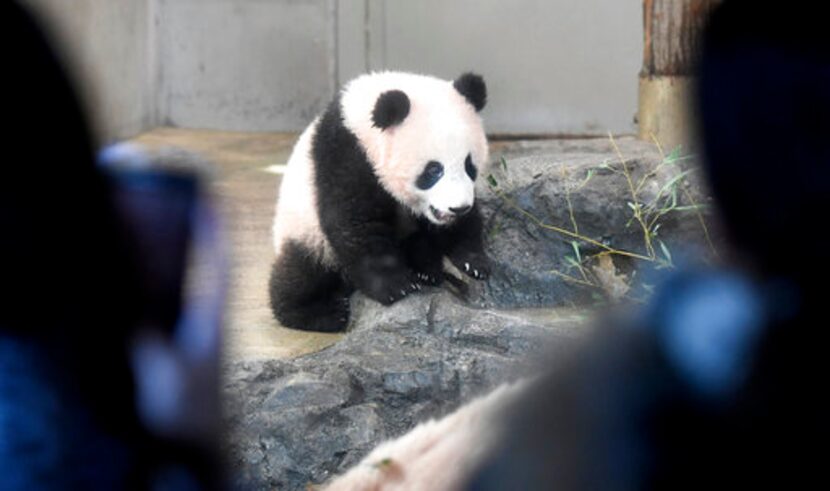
(764, 96)
(62, 257)
(65, 265)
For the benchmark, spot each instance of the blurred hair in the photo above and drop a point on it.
(68, 275)
(764, 102)
(60, 244)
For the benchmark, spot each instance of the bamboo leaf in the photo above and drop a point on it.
(575, 246)
(655, 229)
(571, 261)
(672, 183)
(666, 252)
(588, 176)
(674, 155)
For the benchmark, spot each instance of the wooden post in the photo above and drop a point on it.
(671, 46)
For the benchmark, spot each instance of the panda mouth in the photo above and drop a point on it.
(441, 217)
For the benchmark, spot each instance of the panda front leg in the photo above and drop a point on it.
(464, 246)
(305, 295)
(425, 256)
(373, 261)
(383, 276)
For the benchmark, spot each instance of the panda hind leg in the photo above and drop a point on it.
(307, 296)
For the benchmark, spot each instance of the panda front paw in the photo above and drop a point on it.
(425, 258)
(431, 279)
(393, 288)
(385, 279)
(474, 264)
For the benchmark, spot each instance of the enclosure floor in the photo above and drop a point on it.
(246, 191)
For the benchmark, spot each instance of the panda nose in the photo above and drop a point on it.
(461, 210)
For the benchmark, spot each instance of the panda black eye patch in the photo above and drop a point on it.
(432, 173)
(470, 168)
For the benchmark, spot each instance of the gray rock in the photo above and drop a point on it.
(539, 178)
(301, 421)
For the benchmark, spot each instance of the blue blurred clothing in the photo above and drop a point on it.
(713, 381)
(708, 326)
(48, 440)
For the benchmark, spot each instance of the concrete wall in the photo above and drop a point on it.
(251, 65)
(110, 51)
(552, 66)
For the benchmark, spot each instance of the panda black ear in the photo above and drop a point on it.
(472, 87)
(391, 108)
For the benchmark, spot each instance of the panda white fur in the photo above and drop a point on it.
(378, 189)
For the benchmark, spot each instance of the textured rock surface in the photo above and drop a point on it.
(300, 421)
(539, 178)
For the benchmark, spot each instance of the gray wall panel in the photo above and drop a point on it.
(552, 66)
(248, 65)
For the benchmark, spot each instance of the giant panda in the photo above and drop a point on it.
(377, 191)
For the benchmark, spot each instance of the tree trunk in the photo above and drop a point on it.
(671, 46)
(672, 35)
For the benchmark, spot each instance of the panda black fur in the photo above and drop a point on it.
(377, 191)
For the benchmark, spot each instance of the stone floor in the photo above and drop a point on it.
(247, 175)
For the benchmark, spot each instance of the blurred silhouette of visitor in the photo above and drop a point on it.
(108, 375)
(718, 382)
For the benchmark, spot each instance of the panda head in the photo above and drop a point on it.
(426, 142)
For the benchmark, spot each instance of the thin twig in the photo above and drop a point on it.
(568, 277)
(568, 199)
(637, 207)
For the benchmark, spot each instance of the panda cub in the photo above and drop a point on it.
(377, 191)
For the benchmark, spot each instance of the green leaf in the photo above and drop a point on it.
(672, 183)
(674, 155)
(575, 246)
(655, 229)
(503, 163)
(698, 207)
(492, 181)
(588, 176)
(666, 252)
